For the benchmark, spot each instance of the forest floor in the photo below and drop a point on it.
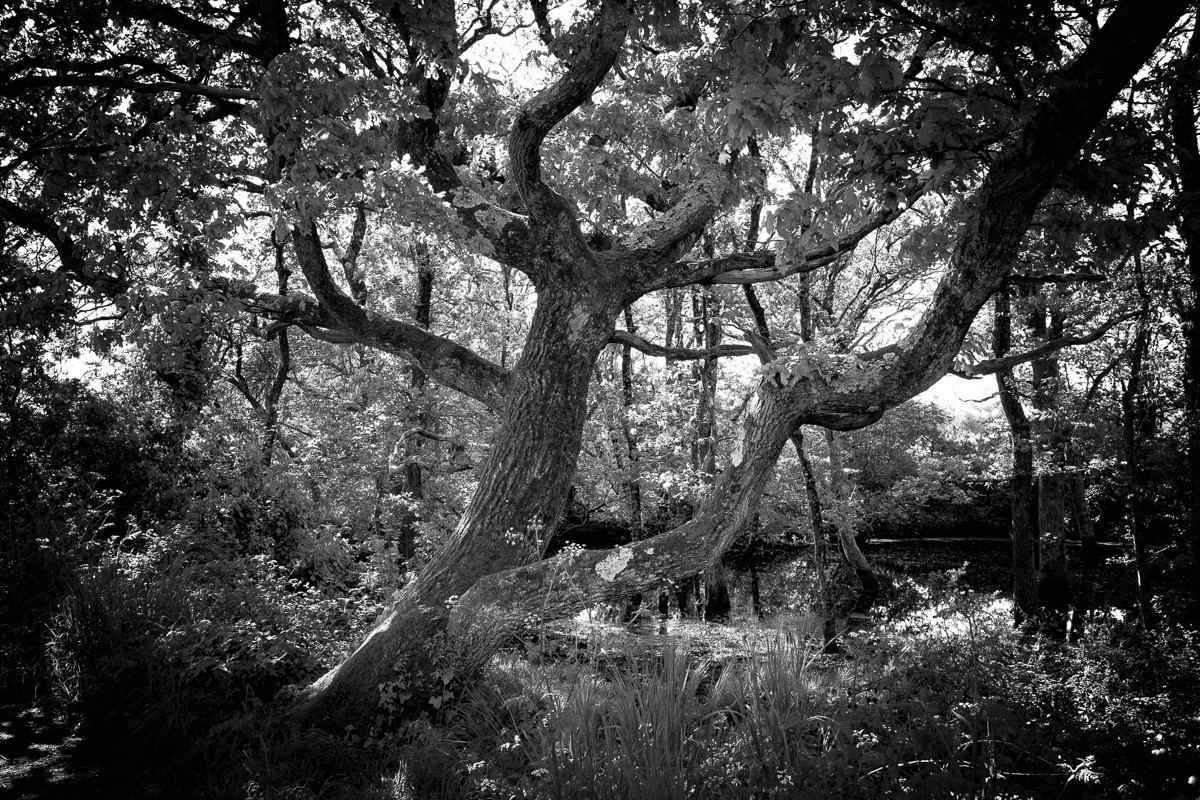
(43, 758)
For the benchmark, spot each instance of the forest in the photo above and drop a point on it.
(600, 399)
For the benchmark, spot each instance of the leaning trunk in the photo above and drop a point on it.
(521, 490)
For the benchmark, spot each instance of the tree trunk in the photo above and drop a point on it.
(845, 523)
(1054, 594)
(275, 390)
(1054, 588)
(706, 334)
(1187, 153)
(407, 479)
(824, 604)
(1089, 551)
(1025, 582)
(521, 490)
(1130, 424)
(632, 483)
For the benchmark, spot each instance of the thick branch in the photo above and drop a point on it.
(177, 20)
(1018, 180)
(552, 105)
(445, 361)
(999, 58)
(672, 234)
(1066, 277)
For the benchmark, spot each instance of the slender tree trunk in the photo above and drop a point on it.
(275, 390)
(407, 481)
(1025, 594)
(845, 522)
(632, 482)
(706, 334)
(1187, 153)
(1131, 424)
(1054, 588)
(1089, 551)
(820, 546)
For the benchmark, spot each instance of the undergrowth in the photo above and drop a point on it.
(192, 663)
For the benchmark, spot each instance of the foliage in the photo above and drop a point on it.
(947, 700)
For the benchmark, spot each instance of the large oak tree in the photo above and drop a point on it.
(140, 142)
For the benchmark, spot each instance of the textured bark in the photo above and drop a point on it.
(1025, 595)
(706, 334)
(407, 478)
(522, 486)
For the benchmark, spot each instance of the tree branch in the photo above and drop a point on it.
(1066, 277)
(994, 365)
(18, 85)
(552, 105)
(447, 362)
(177, 20)
(763, 266)
(679, 353)
(1015, 185)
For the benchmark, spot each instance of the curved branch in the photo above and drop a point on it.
(71, 262)
(1003, 66)
(673, 233)
(1014, 187)
(337, 318)
(552, 105)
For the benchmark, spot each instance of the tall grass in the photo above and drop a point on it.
(906, 714)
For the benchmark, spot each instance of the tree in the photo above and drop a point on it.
(337, 101)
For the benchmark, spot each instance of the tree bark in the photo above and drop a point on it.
(407, 478)
(824, 605)
(522, 486)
